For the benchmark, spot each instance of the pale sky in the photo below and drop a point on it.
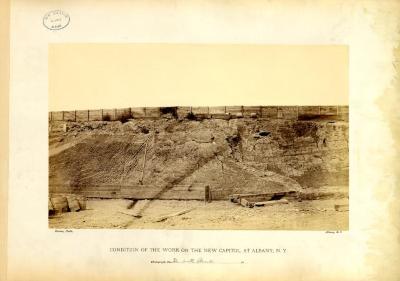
(91, 76)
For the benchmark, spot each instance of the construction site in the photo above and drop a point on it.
(258, 167)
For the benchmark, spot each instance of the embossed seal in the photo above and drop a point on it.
(56, 20)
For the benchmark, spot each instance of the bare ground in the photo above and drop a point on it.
(112, 213)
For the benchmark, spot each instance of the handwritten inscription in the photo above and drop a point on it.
(176, 260)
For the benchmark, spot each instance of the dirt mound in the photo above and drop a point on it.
(239, 155)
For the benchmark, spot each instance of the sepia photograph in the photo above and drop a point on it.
(227, 167)
(200, 140)
(186, 164)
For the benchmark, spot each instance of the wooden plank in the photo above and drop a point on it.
(180, 192)
(95, 115)
(81, 115)
(234, 110)
(183, 111)
(207, 194)
(224, 116)
(343, 109)
(108, 115)
(217, 110)
(101, 194)
(126, 213)
(220, 194)
(153, 112)
(251, 111)
(328, 110)
(256, 197)
(138, 209)
(71, 189)
(69, 115)
(122, 112)
(269, 112)
(130, 204)
(57, 116)
(271, 203)
(236, 197)
(246, 203)
(287, 112)
(163, 218)
(151, 194)
(200, 110)
(341, 208)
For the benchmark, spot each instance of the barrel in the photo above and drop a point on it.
(73, 203)
(82, 201)
(50, 205)
(60, 203)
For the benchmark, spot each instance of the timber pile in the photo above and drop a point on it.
(261, 199)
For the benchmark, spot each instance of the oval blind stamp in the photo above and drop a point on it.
(56, 20)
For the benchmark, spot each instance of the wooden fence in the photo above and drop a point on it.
(217, 112)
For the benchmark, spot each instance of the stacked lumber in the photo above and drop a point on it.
(260, 199)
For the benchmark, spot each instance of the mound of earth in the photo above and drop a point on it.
(180, 157)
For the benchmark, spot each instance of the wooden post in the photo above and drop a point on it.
(144, 109)
(115, 114)
(88, 115)
(75, 115)
(260, 111)
(207, 194)
(101, 114)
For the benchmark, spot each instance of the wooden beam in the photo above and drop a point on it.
(163, 218)
(271, 203)
(207, 194)
(245, 203)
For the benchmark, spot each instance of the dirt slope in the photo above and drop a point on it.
(239, 155)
